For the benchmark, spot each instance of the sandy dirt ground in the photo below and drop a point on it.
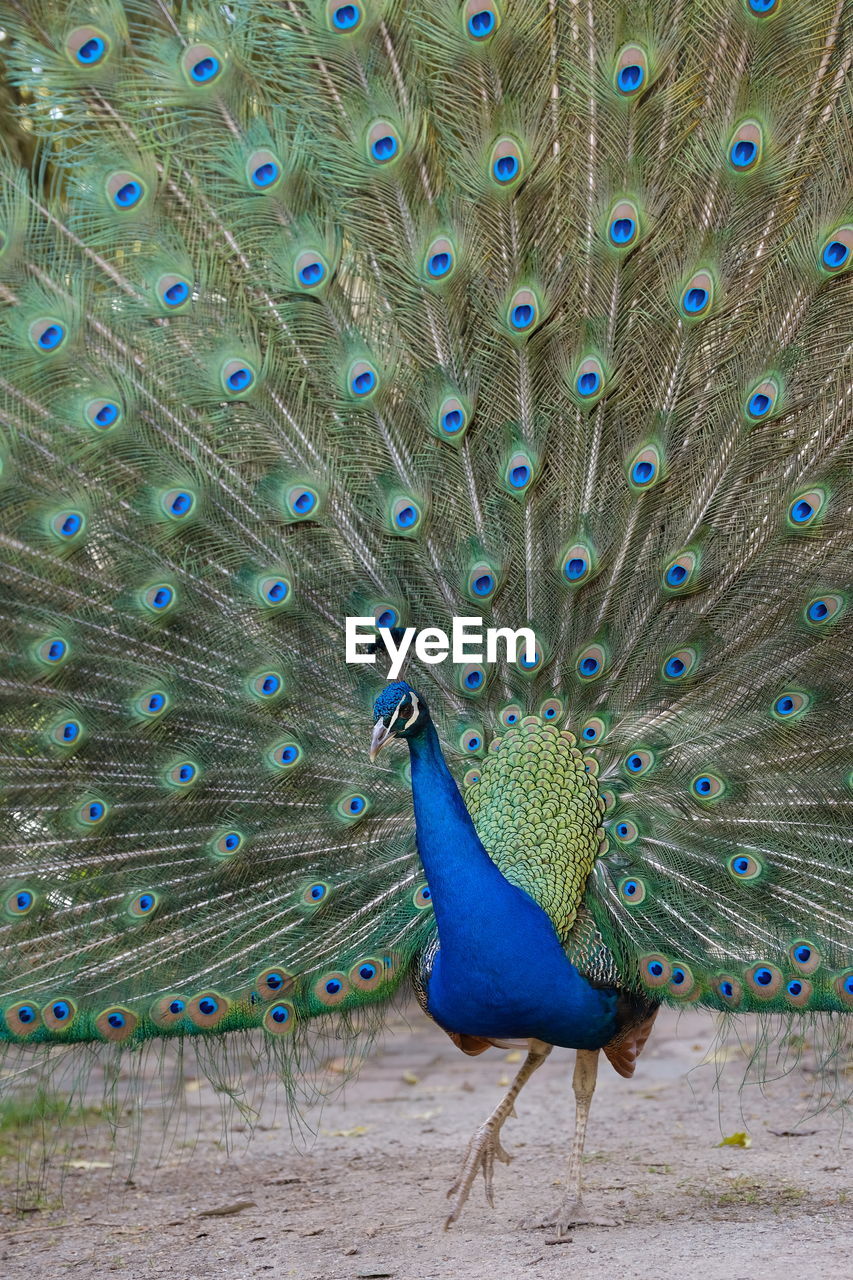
(365, 1198)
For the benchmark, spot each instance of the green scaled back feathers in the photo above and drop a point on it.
(413, 310)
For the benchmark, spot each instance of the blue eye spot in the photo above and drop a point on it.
(590, 734)
(622, 230)
(803, 954)
(481, 24)
(678, 977)
(743, 153)
(656, 969)
(835, 254)
(288, 755)
(277, 592)
(741, 866)
(519, 476)
(50, 337)
(622, 829)
(70, 731)
(794, 988)
(522, 315)
(317, 892)
(763, 977)
(333, 986)
(232, 841)
(265, 174)
(346, 17)
(26, 1014)
(61, 1010)
(386, 619)
(356, 805)
(818, 611)
(473, 744)
(181, 504)
(270, 685)
(695, 300)
(759, 405)
(452, 421)
(630, 78)
(274, 981)
(304, 503)
(630, 888)
(91, 52)
(676, 574)
(674, 668)
(145, 902)
(575, 568)
(384, 148)
(588, 384)
(107, 415)
(24, 900)
(207, 1006)
(177, 1006)
(484, 584)
(240, 379)
(176, 294)
(785, 705)
(505, 168)
(116, 1020)
(635, 763)
(439, 264)
(589, 666)
(94, 811)
(205, 69)
(762, 6)
(426, 893)
(128, 195)
(312, 273)
(703, 785)
(71, 525)
(406, 518)
(367, 971)
(642, 472)
(802, 511)
(186, 773)
(474, 679)
(56, 650)
(280, 1013)
(364, 382)
(726, 990)
(156, 702)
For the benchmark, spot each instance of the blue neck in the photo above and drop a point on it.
(501, 970)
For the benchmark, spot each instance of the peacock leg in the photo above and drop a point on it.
(571, 1211)
(485, 1146)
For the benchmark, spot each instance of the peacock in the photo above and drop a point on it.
(532, 315)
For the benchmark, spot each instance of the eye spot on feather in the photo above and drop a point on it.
(762, 8)
(523, 312)
(506, 164)
(367, 974)
(315, 893)
(331, 989)
(143, 905)
(762, 400)
(638, 762)
(623, 225)
(47, 334)
(843, 985)
(263, 170)
(173, 292)
(207, 1009)
(655, 970)
(482, 19)
(729, 989)
(471, 778)
(87, 46)
(125, 190)
(763, 980)
(159, 599)
(472, 679)
(22, 1019)
(791, 705)
(151, 704)
(744, 866)
(272, 983)
(226, 844)
(835, 255)
(385, 615)
(237, 377)
(406, 515)
(177, 504)
(644, 469)
(422, 898)
(440, 260)
(745, 146)
(594, 730)
(311, 270)
(632, 891)
(453, 418)
(697, 296)
(471, 741)
(59, 1014)
(19, 903)
(625, 830)
(266, 685)
(591, 662)
(51, 652)
(383, 142)
(68, 526)
(577, 563)
(280, 1018)
(482, 582)
(798, 992)
(353, 807)
(168, 1010)
(92, 812)
(362, 379)
(344, 18)
(680, 665)
(202, 65)
(116, 1024)
(681, 982)
(824, 609)
(285, 755)
(511, 715)
(551, 710)
(805, 956)
(102, 415)
(273, 590)
(631, 73)
(708, 786)
(807, 508)
(182, 775)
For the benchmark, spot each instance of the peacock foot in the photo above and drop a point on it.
(483, 1150)
(568, 1214)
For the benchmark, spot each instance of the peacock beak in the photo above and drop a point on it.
(381, 735)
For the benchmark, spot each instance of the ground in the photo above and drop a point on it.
(366, 1197)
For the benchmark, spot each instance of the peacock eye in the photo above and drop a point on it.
(405, 710)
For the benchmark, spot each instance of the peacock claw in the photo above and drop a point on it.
(568, 1214)
(483, 1150)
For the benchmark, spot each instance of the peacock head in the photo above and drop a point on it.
(399, 712)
